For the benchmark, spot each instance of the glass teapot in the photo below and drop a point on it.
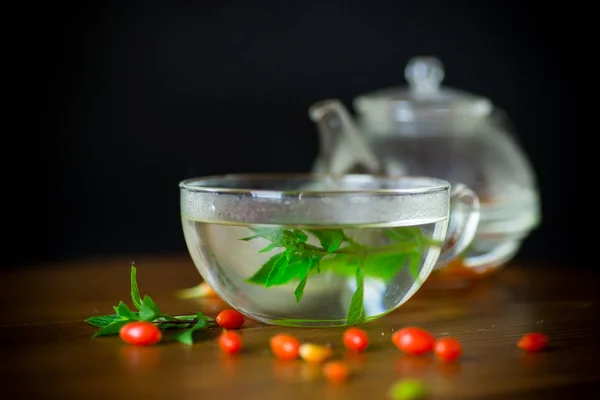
(429, 129)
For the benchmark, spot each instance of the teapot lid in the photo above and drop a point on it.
(423, 97)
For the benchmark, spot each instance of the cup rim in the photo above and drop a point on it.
(202, 184)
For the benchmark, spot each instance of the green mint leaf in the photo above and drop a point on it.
(316, 262)
(356, 311)
(279, 265)
(342, 264)
(330, 239)
(112, 328)
(384, 266)
(289, 253)
(337, 264)
(101, 321)
(271, 234)
(297, 267)
(260, 277)
(135, 293)
(187, 336)
(299, 292)
(414, 262)
(403, 234)
(269, 247)
(149, 311)
(177, 319)
(124, 312)
(301, 236)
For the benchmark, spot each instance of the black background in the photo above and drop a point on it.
(123, 100)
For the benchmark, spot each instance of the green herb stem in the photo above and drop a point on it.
(148, 311)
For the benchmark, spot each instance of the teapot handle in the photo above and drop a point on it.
(464, 220)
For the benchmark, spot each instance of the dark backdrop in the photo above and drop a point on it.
(126, 99)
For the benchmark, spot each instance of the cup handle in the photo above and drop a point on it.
(464, 219)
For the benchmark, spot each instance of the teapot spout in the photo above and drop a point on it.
(342, 147)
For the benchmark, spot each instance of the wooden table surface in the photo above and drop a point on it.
(48, 352)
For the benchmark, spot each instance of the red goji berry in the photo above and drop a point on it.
(140, 333)
(533, 342)
(356, 339)
(285, 347)
(230, 319)
(413, 340)
(230, 342)
(447, 349)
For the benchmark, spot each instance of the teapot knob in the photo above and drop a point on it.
(424, 74)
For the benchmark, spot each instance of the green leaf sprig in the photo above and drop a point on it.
(340, 254)
(147, 310)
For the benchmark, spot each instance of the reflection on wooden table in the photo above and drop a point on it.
(48, 351)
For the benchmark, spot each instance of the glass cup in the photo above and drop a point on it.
(322, 250)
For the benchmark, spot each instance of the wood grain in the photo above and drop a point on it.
(48, 351)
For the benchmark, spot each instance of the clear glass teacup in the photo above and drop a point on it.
(322, 250)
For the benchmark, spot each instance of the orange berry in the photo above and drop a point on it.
(285, 347)
(314, 353)
(199, 291)
(207, 291)
(336, 371)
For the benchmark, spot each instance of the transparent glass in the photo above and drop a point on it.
(322, 249)
(426, 129)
